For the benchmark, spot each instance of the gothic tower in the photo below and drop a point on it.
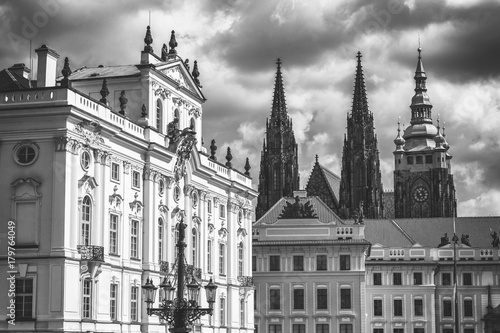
(279, 171)
(423, 183)
(360, 183)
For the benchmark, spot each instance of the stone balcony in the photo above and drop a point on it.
(245, 281)
(91, 252)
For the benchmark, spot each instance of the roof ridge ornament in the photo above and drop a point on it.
(66, 72)
(148, 40)
(104, 92)
(173, 44)
(196, 74)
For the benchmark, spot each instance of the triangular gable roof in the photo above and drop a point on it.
(324, 213)
(176, 70)
(321, 180)
(428, 232)
(12, 81)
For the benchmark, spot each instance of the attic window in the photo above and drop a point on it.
(94, 74)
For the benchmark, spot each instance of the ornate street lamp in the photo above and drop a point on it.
(177, 310)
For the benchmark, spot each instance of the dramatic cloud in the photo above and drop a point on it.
(237, 42)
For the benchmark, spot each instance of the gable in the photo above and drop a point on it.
(178, 75)
(318, 185)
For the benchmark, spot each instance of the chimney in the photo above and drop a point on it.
(47, 67)
(21, 69)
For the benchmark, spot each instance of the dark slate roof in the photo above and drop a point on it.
(85, 73)
(428, 232)
(325, 214)
(12, 81)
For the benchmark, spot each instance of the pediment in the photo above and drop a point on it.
(178, 73)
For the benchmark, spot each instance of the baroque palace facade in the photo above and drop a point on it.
(332, 258)
(87, 164)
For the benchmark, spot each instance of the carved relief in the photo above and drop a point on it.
(90, 131)
(64, 143)
(160, 91)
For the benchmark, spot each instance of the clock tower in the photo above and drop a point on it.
(423, 183)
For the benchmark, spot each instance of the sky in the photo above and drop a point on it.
(236, 44)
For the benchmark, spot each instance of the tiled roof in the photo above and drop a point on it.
(11, 81)
(325, 214)
(428, 232)
(104, 72)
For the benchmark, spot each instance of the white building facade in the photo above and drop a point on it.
(89, 186)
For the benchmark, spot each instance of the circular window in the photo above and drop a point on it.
(85, 160)
(161, 186)
(26, 154)
(177, 193)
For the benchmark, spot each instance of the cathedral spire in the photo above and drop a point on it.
(279, 102)
(420, 103)
(359, 100)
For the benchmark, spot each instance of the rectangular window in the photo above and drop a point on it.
(222, 312)
(345, 328)
(419, 330)
(298, 263)
(240, 259)
(397, 279)
(113, 298)
(274, 299)
(467, 279)
(299, 328)
(222, 211)
(133, 303)
(209, 206)
(417, 278)
(377, 308)
(275, 328)
(274, 263)
(321, 299)
(242, 313)
(419, 160)
(345, 298)
(378, 330)
(134, 239)
(209, 256)
(321, 264)
(446, 279)
(160, 239)
(447, 308)
(222, 254)
(398, 307)
(345, 262)
(87, 299)
(322, 328)
(428, 159)
(115, 171)
(136, 179)
(377, 279)
(447, 330)
(468, 310)
(398, 330)
(418, 305)
(24, 298)
(468, 330)
(254, 263)
(298, 299)
(113, 234)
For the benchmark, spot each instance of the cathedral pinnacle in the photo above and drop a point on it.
(279, 103)
(420, 103)
(359, 100)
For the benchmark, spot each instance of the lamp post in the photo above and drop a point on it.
(177, 310)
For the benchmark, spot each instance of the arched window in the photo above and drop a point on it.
(192, 124)
(159, 112)
(195, 246)
(160, 239)
(176, 113)
(86, 220)
(240, 259)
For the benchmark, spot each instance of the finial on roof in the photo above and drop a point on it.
(279, 110)
(164, 52)
(173, 44)
(229, 157)
(186, 63)
(316, 158)
(359, 109)
(399, 141)
(213, 150)
(196, 74)
(359, 56)
(104, 92)
(148, 40)
(66, 72)
(247, 168)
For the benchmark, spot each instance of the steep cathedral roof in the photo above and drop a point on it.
(279, 102)
(359, 100)
(324, 183)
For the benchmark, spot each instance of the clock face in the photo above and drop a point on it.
(420, 194)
